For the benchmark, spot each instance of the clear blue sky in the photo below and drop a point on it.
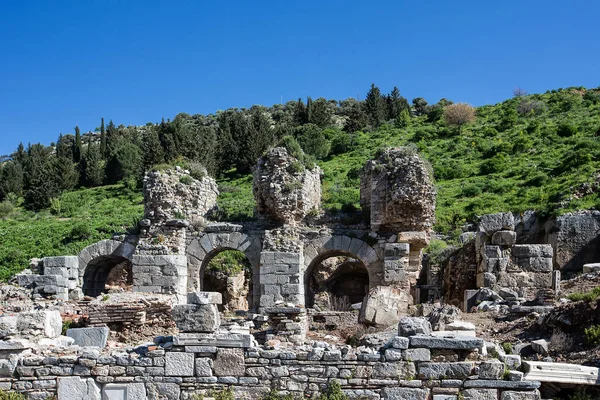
(71, 62)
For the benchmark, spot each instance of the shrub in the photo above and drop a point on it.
(225, 394)
(80, 231)
(333, 392)
(186, 179)
(592, 335)
(273, 395)
(560, 341)
(508, 349)
(11, 396)
(6, 207)
(494, 164)
(459, 114)
(531, 107)
(471, 190)
(587, 296)
(566, 130)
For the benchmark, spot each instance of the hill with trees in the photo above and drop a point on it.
(538, 152)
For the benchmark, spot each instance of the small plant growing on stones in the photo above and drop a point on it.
(592, 335)
(508, 349)
(186, 179)
(11, 396)
(225, 394)
(273, 395)
(333, 392)
(105, 297)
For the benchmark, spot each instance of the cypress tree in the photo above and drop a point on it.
(300, 115)
(40, 185)
(152, 149)
(78, 146)
(102, 139)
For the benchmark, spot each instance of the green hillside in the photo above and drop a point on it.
(539, 152)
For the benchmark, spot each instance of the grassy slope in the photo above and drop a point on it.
(535, 169)
(87, 215)
(490, 166)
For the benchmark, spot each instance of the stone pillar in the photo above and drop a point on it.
(280, 280)
(396, 263)
(165, 274)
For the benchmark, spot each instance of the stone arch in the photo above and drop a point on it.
(200, 251)
(319, 249)
(97, 260)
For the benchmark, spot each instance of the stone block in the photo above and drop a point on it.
(229, 362)
(179, 364)
(396, 250)
(202, 298)
(76, 388)
(163, 391)
(399, 342)
(410, 326)
(8, 326)
(417, 355)
(196, 317)
(402, 393)
(514, 395)
(68, 262)
(532, 250)
(455, 343)
(458, 370)
(504, 238)
(589, 268)
(204, 366)
(47, 321)
(395, 370)
(384, 305)
(480, 394)
(491, 223)
(92, 337)
(492, 369)
(124, 391)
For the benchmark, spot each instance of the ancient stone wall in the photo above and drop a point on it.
(397, 191)
(286, 190)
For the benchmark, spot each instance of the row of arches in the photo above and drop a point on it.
(338, 270)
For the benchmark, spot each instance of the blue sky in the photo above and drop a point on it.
(71, 62)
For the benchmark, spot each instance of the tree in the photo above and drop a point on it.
(356, 117)
(65, 147)
(112, 137)
(102, 140)
(78, 146)
(300, 113)
(11, 179)
(320, 113)
(200, 144)
(125, 162)
(459, 114)
(258, 138)
(519, 92)
(66, 175)
(39, 183)
(403, 119)
(396, 104)
(375, 106)
(313, 141)
(420, 106)
(92, 167)
(152, 150)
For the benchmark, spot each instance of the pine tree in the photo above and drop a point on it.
(375, 107)
(125, 162)
(91, 167)
(396, 104)
(112, 137)
(320, 113)
(39, 183)
(257, 139)
(20, 155)
(102, 139)
(11, 179)
(78, 147)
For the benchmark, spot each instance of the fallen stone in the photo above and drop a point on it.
(460, 326)
(540, 346)
(508, 294)
(411, 326)
(196, 317)
(8, 326)
(49, 322)
(492, 369)
(384, 305)
(589, 268)
(89, 337)
(202, 298)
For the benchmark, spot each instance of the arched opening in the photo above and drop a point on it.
(229, 272)
(336, 282)
(107, 272)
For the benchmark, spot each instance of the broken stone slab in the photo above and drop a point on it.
(508, 294)
(411, 326)
(561, 373)
(89, 337)
(455, 343)
(76, 388)
(196, 317)
(589, 268)
(49, 322)
(223, 227)
(491, 369)
(417, 239)
(8, 326)
(460, 326)
(452, 370)
(452, 334)
(204, 298)
(231, 340)
(491, 223)
(531, 309)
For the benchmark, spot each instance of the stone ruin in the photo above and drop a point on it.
(304, 268)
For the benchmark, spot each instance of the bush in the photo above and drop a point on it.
(225, 394)
(471, 190)
(333, 392)
(566, 130)
(459, 114)
(11, 396)
(186, 179)
(587, 296)
(592, 335)
(494, 164)
(531, 107)
(6, 207)
(273, 395)
(80, 231)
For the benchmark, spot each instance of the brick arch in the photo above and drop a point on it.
(104, 248)
(322, 248)
(200, 251)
